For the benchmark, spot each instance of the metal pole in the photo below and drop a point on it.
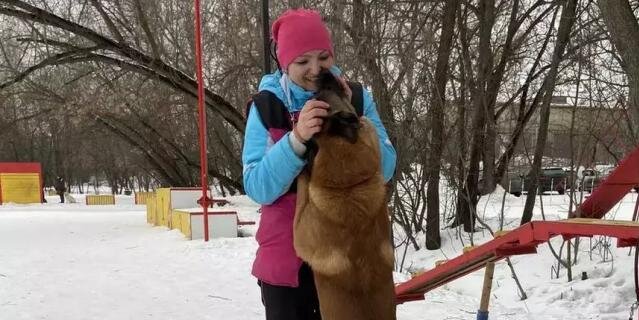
(266, 35)
(202, 119)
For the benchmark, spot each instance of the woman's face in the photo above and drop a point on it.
(305, 68)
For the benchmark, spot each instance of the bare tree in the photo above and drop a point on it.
(623, 29)
(563, 37)
(495, 56)
(438, 102)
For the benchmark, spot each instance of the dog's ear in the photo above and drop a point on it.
(326, 81)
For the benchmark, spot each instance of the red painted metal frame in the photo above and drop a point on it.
(20, 167)
(612, 189)
(523, 240)
(201, 117)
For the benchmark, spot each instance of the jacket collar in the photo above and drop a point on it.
(293, 96)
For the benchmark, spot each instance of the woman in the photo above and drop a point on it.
(273, 157)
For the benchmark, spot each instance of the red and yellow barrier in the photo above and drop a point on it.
(20, 182)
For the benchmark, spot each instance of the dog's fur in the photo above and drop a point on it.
(341, 223)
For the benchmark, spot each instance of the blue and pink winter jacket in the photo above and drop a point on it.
(270, 168)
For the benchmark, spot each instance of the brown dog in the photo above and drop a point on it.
(341, 226)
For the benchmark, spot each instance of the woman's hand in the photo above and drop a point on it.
(310, 120)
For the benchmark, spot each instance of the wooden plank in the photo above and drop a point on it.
(94, 200)
(142, 197)
(601, 222)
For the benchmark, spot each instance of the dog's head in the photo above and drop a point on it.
(345, 152)
(342, 120)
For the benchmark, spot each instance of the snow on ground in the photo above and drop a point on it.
(71, 261)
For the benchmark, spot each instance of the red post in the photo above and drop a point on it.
(202, 118)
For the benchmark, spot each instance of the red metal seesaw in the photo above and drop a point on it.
(524, 240)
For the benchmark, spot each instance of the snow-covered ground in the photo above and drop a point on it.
(71, 261)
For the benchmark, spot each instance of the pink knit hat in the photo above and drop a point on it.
(297, 31)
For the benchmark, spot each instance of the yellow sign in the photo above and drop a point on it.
(20, 187)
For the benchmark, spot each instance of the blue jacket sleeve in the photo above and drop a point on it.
(389, 156)
(269, 168)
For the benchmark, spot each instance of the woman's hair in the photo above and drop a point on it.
(273, 53)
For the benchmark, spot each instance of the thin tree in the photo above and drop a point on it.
(438, 101)
(563, 37)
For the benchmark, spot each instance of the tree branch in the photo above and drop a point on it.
(157, 66)
(58, 59)
(112, 28)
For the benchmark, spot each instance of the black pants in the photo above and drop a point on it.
(286, 303)
(61, 197)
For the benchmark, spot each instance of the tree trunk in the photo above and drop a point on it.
(438, 100)
(461, 205)
(523, 115)
(563, 37)
(623, 30)
(470, 193)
